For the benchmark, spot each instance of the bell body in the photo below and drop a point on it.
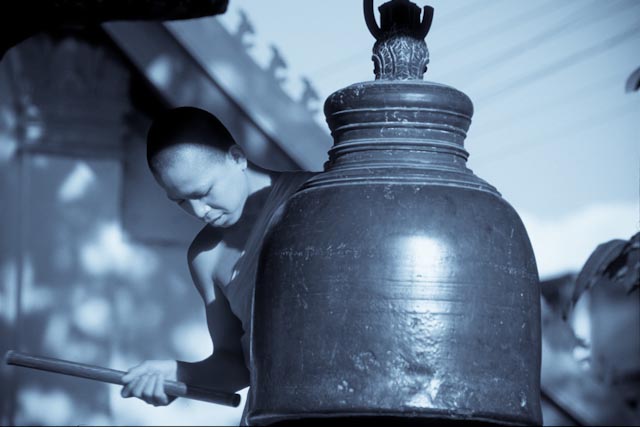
(397, 283)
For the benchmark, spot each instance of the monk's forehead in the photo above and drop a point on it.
(182, 172)
(191, 152)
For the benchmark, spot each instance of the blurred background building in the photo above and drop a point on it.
(93, 255)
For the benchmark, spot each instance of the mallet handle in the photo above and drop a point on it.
(65, 367)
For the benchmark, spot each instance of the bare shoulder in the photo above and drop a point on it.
(205, 243)
(202, 256)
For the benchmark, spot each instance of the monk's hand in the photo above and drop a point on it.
(146, 381)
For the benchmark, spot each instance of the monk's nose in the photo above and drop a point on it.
(199, 208)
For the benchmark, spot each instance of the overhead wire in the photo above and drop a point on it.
(536, 41)
(499, 27)
(346, 61)
(575, 96)
(328, 70)
(450, 17)
(562, 63)
(576, 128)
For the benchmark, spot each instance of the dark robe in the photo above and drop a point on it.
(239, 291)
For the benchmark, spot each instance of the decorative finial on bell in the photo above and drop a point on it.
(400, 52)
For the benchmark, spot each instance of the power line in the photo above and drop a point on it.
(585, 91)
(562, 63)
(340, 64)
(570, 23)
(491, 31)
(554, 136)
(463, 8)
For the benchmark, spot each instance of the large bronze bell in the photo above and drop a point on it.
(397, 285)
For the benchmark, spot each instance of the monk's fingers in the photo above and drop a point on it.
(159, 395)
(127, 390)
(140, 385)
(148, 390)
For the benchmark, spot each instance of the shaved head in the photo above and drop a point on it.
(186, 128)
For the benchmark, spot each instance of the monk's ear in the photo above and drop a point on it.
(236, 155)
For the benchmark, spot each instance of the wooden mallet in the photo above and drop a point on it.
(65, 367)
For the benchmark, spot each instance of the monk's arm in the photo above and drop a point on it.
(225, 369)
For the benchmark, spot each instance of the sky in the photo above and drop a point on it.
(553, 128)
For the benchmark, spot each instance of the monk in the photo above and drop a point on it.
(196, 161)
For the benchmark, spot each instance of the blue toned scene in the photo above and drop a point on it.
(377, 212)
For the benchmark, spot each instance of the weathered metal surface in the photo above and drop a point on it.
(397, 285)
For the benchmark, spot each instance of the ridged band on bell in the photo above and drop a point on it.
(397, 286)
(399, 132)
